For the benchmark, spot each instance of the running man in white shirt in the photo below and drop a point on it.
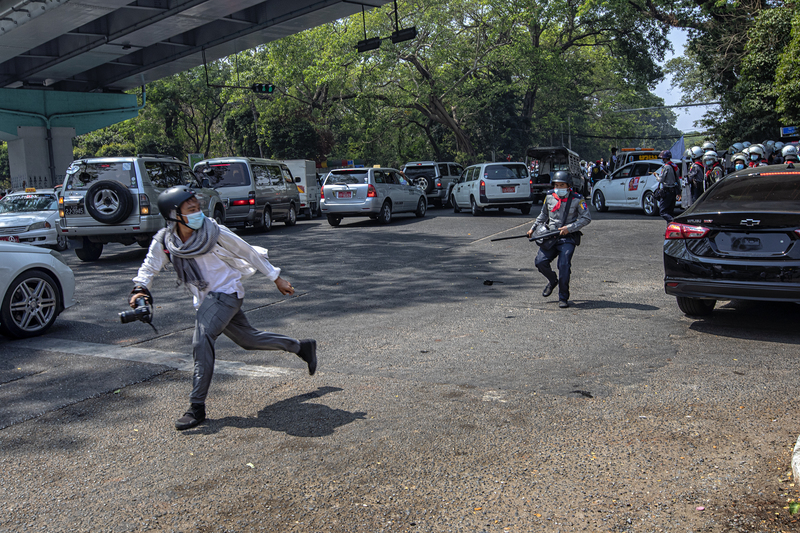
(211, 260)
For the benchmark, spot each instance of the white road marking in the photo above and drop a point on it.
(174, 360)
(493, 396)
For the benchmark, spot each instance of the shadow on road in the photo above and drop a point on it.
(740, 319)
(605, 304)
(292, 416)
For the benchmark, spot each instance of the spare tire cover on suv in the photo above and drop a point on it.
(109, 202)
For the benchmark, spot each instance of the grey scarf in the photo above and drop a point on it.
(183, 253)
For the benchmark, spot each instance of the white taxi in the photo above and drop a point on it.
(31, 217)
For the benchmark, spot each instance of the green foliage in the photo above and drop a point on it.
(481, 78)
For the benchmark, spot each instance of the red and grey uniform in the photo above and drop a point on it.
(553, 216)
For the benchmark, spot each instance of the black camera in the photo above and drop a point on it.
(142, 312)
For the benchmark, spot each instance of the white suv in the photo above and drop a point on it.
(493, 186)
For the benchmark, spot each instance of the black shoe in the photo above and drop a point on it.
(191, 418)
(548, 289)
(308, 353)
(563, 304)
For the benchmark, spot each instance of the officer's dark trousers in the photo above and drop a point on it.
(666, 205)
(563, 249)
(222, 313)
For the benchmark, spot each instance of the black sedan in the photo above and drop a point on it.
(739, 241)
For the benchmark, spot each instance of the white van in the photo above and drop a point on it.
(304, 173)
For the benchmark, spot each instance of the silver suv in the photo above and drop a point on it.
(113, 199)
(436, 179)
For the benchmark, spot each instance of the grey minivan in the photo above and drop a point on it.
(254, 191)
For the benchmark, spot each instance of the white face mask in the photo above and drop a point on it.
(562, 192)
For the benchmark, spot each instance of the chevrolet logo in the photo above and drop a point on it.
(750, 222)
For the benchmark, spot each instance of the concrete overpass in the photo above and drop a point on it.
(65, 63)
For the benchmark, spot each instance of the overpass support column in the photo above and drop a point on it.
(39, 126)
(39, 157)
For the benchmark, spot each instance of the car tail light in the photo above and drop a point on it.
(685, 231)
(438, 183)
(483, 187)
(251, 198)
(61, 212)
(322, 193)
(144, 204)
(531, 185)
(371, 192)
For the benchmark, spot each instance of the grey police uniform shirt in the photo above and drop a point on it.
(667, 176)
(577, 218)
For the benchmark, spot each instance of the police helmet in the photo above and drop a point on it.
(746, 144)
(561, 176)
(709, 146)
(697, 152)
(666, 154)
(790, 152)
(737, 147)
(756, 152)
(172, 198)
(710, 157)
(779, 146)
(739, 157)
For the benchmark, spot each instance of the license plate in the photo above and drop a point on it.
(345, 194)
(73, 210)
(10, 238)
(509, 189)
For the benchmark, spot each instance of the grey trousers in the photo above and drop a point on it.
(222, 313)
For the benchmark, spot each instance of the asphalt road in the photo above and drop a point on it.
(441, 403)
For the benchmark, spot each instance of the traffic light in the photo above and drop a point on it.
(263, 88)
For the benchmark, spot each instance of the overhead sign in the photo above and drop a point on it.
(789, 131)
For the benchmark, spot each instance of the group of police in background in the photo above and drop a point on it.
(706, 165)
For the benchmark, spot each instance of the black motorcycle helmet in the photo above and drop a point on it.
(172, 198)
(562, 176)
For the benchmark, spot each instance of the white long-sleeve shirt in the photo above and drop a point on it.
(223, 268)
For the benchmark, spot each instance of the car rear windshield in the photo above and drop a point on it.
(226, 174)
(347, 178)
(28, 203)
(505, 172)
(420, 170)
(81, 176)
(771, 191)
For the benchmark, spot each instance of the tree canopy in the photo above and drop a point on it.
(480, 80)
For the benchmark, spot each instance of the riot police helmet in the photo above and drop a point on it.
(710, 157)
(779, 147)
(697, 152)
(739, 156)
(737, 147)
(790, 152)
(756, 152)
(172, 198)
(746, 144)
(561, 176)
(709, 146)
(666, 154)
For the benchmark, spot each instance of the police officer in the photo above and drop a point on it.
(739, 161)
(668, 182)
(696, 174)
(567, 212)
(211, 261)
(789, 153)
(714, 170)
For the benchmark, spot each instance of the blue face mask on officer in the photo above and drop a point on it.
(195, 220)
(562, 192)
(739, 166)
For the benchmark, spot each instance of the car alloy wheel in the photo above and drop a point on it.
(456, 209)
(422, 208)
(476, 209)
(599, 202)
(649, 204)
(291, 217)
(266, 220)
(31, 304)
(385, 215)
